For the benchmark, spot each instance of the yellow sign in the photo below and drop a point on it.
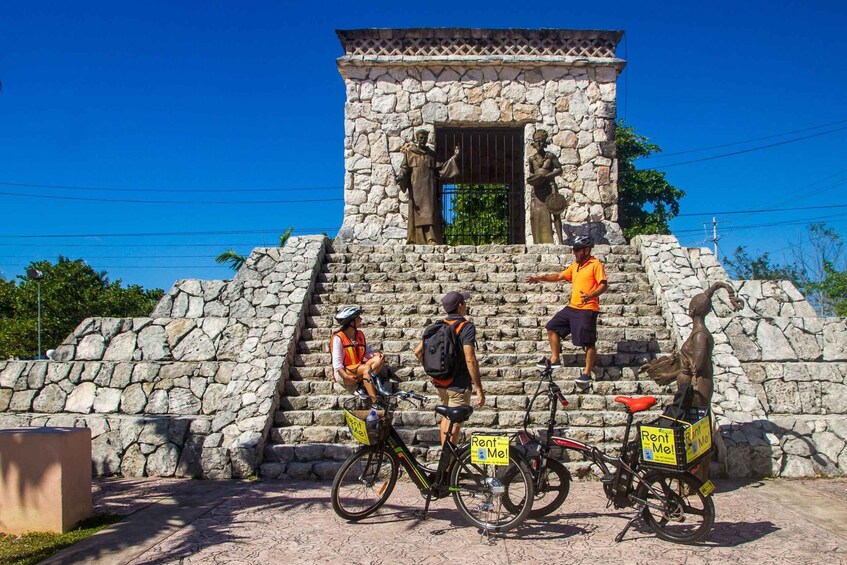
(657, 445)
(707, 488)
(489, 450)
(357, 428)
(698, 439)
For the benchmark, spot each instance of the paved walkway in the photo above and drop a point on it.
(171, 521)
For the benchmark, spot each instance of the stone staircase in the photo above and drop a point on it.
(400, 288)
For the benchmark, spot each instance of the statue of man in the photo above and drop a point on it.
(420, 172)
(546, 204)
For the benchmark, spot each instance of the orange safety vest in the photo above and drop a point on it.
(354, 351)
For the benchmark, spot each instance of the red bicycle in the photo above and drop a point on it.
(674, 504)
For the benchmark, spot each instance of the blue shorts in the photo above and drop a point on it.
(581, 325)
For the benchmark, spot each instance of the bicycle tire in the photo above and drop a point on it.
(551, 488)
(363, 483)
(475, 493)
(687, 515)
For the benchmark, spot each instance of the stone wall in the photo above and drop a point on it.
(190, 391)
(789, 362)
(398, 81)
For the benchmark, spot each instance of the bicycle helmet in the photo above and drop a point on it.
(582, 241)
(347, 314)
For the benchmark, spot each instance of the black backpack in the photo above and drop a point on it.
(441, 350)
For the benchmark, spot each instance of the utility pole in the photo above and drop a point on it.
(37, 275)
(715, 237)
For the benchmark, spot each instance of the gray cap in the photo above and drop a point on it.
(452, 299)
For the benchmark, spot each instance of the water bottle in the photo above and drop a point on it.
(372, 421)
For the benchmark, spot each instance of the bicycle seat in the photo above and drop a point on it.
(636, 404)
(456, 413)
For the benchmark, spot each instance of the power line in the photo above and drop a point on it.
(167, 190)
(138, 266)
(763, 210)
(659, 156)
(771, 224)
(750, 150)
(158, 234)
(187, 202)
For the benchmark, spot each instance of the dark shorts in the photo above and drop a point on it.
(581, 325)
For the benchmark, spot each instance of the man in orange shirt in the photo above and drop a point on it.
(579, 317)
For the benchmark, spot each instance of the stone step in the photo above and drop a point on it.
(320, 462)
(484, 290)
(405, 314)
(636, 342)
(509, 324)
(592, 427)
(456, 272)
(610, 328)
(473, 252)
(486, 359)
(378, 280)
(295, 401)
(320, 384)
(523, 302)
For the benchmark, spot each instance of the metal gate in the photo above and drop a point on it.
(485, 204)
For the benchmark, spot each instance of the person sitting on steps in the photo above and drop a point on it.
(579, 317)
(353, 362)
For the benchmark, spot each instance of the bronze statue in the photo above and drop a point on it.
(546, 204)
(692, 364)
(420, 172)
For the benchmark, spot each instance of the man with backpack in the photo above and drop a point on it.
(448, 355)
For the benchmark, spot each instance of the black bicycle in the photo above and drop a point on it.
(675, 504)
(477, 474)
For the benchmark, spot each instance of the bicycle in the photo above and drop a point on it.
(674, 504)
(477, 474)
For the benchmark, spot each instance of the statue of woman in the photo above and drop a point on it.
(692, 364)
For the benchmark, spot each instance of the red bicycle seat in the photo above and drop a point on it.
(636, 404)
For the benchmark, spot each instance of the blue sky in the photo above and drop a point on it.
(158, 100)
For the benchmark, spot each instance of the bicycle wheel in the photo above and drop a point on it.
(363, 483)
(676, 510)
(482, 492)
(551, 489)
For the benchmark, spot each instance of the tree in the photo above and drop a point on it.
(817, 269)
(741, 266)
(283, 239)
(236, 260)
(71, 291)
(646, 200)
(232, 257)
(480, 215)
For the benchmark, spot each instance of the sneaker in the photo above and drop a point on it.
(553, 365)
(361, 392)
(583, 379)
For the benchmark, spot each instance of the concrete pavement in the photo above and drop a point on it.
(187, 522)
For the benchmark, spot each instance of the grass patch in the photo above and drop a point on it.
(27, 549)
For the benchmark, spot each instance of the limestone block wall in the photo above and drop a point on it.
(188, 395)
(792, 362)
(391, 93)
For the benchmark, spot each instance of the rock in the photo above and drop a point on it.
(183, 401)
(153, 342)
(81, 399)
(133, 462)
(107, 400)
(163, 461)
(121, 347)
(51, 399)
(91, 347)
(196, 346)
(133, 399)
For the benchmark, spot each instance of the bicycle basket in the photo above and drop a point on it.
(356, 412)
(667, 443)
